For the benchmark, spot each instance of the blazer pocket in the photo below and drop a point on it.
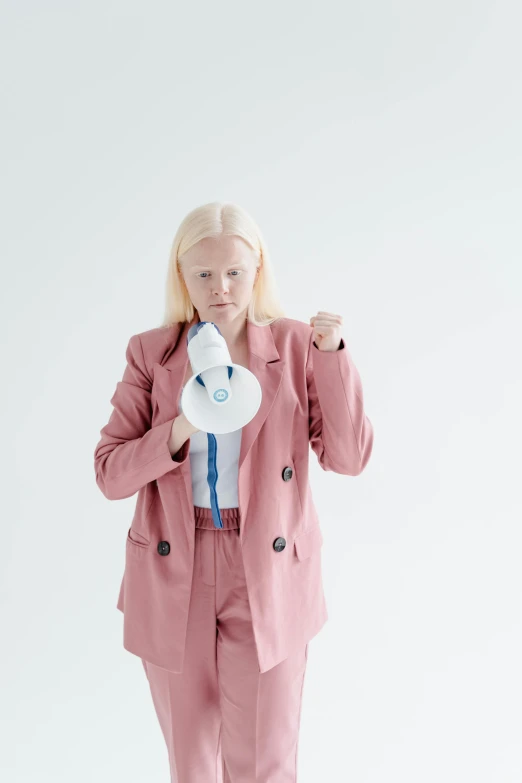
(307, 542)
(137, 539)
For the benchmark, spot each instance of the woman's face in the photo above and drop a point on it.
(220, 270)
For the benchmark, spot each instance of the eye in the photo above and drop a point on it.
(207, 273)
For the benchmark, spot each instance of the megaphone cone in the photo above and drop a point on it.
(220, 396)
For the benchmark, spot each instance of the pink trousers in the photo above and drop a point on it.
(224, 721)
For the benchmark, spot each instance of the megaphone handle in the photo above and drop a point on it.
(212, 477)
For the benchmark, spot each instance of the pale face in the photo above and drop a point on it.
(220, 270)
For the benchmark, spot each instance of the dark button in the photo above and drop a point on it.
(163, 547)
(287, 473)
(279, 544)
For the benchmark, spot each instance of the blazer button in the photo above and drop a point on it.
(279, 544)
(287, 473)
(163, 547)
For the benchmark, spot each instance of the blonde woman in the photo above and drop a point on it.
(221, 607)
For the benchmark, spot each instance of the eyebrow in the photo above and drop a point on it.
(236, 263)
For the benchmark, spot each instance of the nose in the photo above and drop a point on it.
(220, 286)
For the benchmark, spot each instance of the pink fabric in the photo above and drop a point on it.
(222, 719)
(310, 398)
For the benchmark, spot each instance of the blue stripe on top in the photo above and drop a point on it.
(212, 477)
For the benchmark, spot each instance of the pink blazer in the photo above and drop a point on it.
(310, 398)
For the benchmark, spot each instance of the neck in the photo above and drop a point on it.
(235, 332)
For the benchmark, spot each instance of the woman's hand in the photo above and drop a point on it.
(327, 330)
(190, 427)
(181, 431)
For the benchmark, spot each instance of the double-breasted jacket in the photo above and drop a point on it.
(310, 399)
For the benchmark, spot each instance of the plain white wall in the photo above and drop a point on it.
(378, 146)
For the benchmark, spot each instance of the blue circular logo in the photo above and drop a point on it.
(220, 395)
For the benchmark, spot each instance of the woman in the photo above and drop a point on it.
(221, 617)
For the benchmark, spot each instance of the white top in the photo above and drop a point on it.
(227, 463)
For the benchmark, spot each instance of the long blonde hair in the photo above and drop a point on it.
(212, 220)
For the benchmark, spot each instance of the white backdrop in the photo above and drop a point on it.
(378, 147)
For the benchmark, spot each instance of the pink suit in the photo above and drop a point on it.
(246, 604)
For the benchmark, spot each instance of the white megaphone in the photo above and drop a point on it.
(220, 396)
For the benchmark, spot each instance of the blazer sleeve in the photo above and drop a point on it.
(341, 435)
(131, 453)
